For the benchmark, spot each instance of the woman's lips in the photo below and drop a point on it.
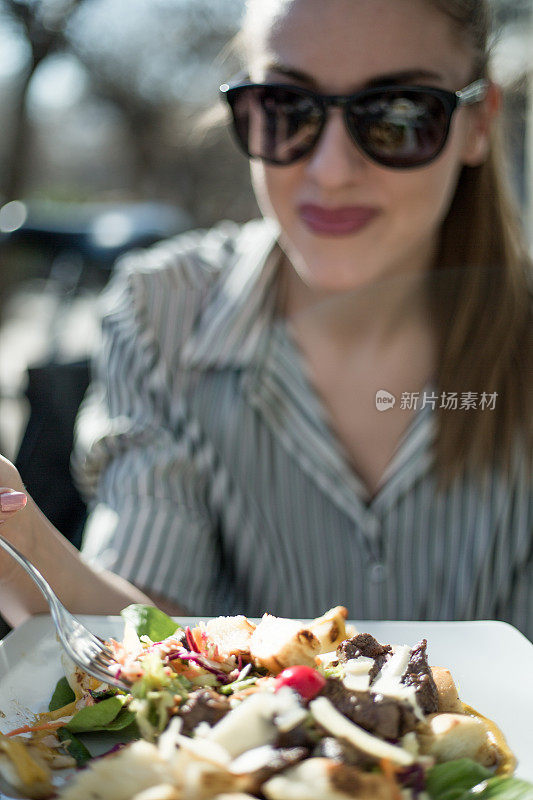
(339, 221)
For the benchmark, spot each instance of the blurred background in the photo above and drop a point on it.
(104, 147)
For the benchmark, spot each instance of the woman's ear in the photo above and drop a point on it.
(481, 119)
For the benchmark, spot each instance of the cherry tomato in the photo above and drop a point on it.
(304, 680)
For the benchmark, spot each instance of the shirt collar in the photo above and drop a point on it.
(238, 308)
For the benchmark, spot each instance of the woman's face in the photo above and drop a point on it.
(340, 47)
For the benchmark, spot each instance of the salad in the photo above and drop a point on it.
(282, 710)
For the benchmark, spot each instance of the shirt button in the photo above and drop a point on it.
(378, 573)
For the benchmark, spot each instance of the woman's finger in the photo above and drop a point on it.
(11, 500)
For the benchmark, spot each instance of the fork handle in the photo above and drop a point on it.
(32, 571)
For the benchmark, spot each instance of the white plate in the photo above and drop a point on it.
(492, 664)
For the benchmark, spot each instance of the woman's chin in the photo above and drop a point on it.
(328, 279)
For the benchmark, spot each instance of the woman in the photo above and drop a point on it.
(234, 440)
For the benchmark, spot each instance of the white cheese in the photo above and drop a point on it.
(324, 659)
(248, 725)
(251, 723)
(356, 673)
(333, 721)
(388, 681)
(253, 760)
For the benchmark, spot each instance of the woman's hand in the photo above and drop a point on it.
(12, 500)
(9, 476)
(12, 496)
(81, 588)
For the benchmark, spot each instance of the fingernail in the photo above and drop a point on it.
(12, 501)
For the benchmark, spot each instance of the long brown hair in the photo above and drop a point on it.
(483, 308)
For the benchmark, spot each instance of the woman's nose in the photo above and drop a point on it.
(336, 159)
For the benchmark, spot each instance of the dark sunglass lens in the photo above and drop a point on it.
(276, 124)
(400, 128)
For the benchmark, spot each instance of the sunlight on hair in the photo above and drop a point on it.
(258, 15)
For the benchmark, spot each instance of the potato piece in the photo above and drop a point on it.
(330, 628)
(277, 643)
(448, 695)
(506, 759)
(449, 736)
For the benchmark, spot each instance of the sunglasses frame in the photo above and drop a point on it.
(475, 92)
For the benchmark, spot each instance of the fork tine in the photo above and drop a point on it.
(105, 657)
(99, 670)
(105, 677)
(99, 644)
(105, 662)
(85, 649)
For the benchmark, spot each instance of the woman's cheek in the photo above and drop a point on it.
(276, 189)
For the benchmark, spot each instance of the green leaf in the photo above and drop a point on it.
(150, 621)
(502, 789)
(452, 780)
(121, 721)
(99, 717)
(75, 747)
(62, 695)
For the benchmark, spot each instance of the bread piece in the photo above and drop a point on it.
(277, 643)
(323, 779)
(450, 736)
(120, 776)
(448, 696)
(231, 634)
(330, 628)
(163, 791)
(235, 796)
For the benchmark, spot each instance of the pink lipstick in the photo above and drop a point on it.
(340, 221)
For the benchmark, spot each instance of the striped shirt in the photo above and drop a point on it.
(218, 483)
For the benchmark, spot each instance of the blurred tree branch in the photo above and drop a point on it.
(43, 25)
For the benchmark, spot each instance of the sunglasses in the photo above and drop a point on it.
(396, 126)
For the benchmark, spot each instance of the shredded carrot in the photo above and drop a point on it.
(389, 771)
(43, 726)
(197, 639)
(188, 673)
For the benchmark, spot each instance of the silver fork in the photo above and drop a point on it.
(84, 648)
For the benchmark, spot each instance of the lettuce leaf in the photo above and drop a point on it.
(150, 621)
(502, 789)
(451, 780)
(75, 747)
(61, 696)
(464, 779)
(108, 715)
